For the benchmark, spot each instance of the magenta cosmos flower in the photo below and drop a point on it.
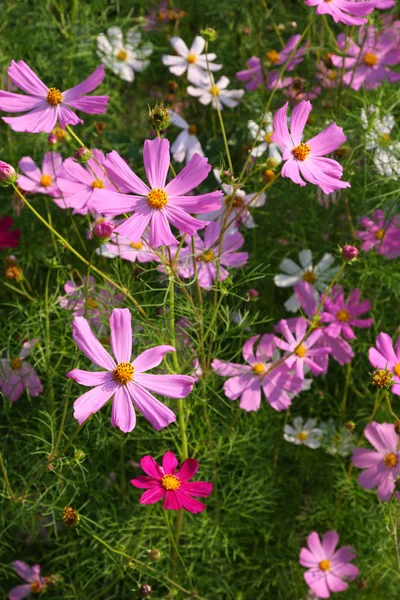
(380, 233)
(386, 358)
(341, 315)
(34, 582)
(125, 379)
(162, 203)
(369, 64)
(343, 11)
(246, 381)
(8, 238)
(17, 375)
(40, 181)
(253, 77)
(45, 106)
(279, 59)
(328, 568)
(383, 466)
(172, 485)
(308, 158)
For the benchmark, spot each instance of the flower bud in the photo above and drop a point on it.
(269, 175)
(7, 174)
(70, 517)
(349, 252)
(102, 231)
(342, 151)
(154, 554)
(272, 163)
(226, 177)
(159, 117)
(52, 139)
(350, 426)
(253, 293)
(209, 34)
(82, 155)
(79, 455)
(145, 591)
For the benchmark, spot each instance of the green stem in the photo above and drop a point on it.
(5, 477)
(87, 284)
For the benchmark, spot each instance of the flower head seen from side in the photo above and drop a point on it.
(264, 143)
(162, 203)
(124, 379)
(191, 60)
(172, 485)
(307, 159)
(17, 375)
(328, 569)
(303, 433)
(387, 359)
(215, 92)
(380, 233)
(44, 106)
(124, 56)
(34, 582)
(382, 465)
(9, 238)
(187, 143)
(341, 315)
(44, 180)
(253, 77)
(280, 58)
(348, 12)
(245, 381)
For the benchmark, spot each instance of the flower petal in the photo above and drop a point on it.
(121, 334)
(151, 358)
(93, 400)
(156, 161)
(89, 344)
(122, 413)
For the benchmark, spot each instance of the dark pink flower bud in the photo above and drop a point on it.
(145, 591)
(82, 155)
(52, 139)
(349, 252)
(253, 293)
(7, 173)
(102, 230)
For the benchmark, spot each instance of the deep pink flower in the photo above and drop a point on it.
(8, 239)
(246, 381)
(381, 233)
(162, 203)
(171, 485)
(31, 575)
(125, 379)
(341, 315)
(383, 466)
(45, 106)
(17, 375)
(343, 11)
(308, 158)
(328, 568)
(280, 58)
(385, 357)
(253, 77)
(369, 64)
(44, 181)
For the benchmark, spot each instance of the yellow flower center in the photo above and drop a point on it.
(45, 180)
(269, 175)
(385, 139)
(16, 364)
(207, 256)
(54, 96)
(332, 75)
(302, 436)
(192, 129)
(258, 368)
(397, 369)
(390, 460)
(370, 59)
(214, 90)
(59, 133)
(191, 58)
(343, 315)
(36, 587)
(122, 55)
(123, 373)
(301, 152)
(136, 245)
(325, 565)
(309, 276)
(92, 303)
(157, 198)
(170, 482)
(267, 137)
(379, 234)
(301, 351)
(381, 378)
(236, 202)
(97, 184)
(273, 56)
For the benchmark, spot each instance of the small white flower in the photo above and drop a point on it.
(303, 433)
(318, 276)
(124, 57)
(187, 143)
(378, 139)
(191, 60)
(264, 143)
(208, 92)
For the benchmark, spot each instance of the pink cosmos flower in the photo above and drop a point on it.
(383, 466)
(369, 64)
(343, 11)
(303, 352)
(44, 181)
(328, 568)
(17, 375)
(381, 233)
(127, 250)
(253, 77)
(31, 575)
(125, 379)
(341, 315)
(296, 91)
(246, 381)
(385, 357)
(384, 4)
(327, 76)
(77, 184)
(45, 106)
(162, 203)
(307, 158)
(8, 239)
(280, 58)
(171, 485)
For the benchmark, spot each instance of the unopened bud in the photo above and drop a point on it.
(209, 34)
(82, 155)
(154, 554)
(350, 426)
(70, 517)
(159, 117)
(342, 151)
(79, 455)
(269, 175)
(226, 177)
(253, 293)
(52, 139)
(8, 175)
(145, 591)
(397, 427)
(272, 163)
(102, 231)
(349, 252)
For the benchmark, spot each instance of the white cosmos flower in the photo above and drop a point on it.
(386, 150)
(193, 60)
(124, 57)
(264, 143)
(303, 433)
(187, 143)
(318, 276)
(208, 92)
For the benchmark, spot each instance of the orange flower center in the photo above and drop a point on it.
(343, 315)
(59, 133)
(123, 373)
(122, 55)
(54, 96)
(302, 436)
(45, 180)
(397, 369)
(214, 90)
(370, 59)
(273, 56)
(301, 152)
(136, 245)
(207, 256)
(170, 482)
(301, 351)
(325, 565)
(192, 129)
(258, 368)
(92, 303)
(191, 58)
(36, 587)
(390, 460)
(309, 276)
(332, 75)
(16, 364)
(97, 184)
(157, 198)
(379, 234)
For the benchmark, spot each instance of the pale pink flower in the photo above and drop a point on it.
(118, 245)
(191, 60)
(215, 92)
(44, 180)
(17, 375)
(384, 356)
(343, 11)
(34, 582)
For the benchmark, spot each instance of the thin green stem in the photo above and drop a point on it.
(5, 477)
